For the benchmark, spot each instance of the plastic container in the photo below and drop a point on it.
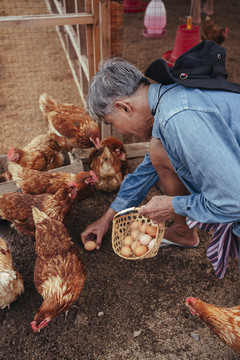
(155, 20)
(185, 39)
(134, 6)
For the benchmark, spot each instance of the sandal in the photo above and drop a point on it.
(167, 243)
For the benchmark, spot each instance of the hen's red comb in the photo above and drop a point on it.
(10, 151)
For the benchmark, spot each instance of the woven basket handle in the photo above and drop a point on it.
(132, 209)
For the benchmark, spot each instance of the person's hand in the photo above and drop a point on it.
(99, 228)
(158, 209)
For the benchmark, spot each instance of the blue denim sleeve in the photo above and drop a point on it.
(135, 186)
(207, 155)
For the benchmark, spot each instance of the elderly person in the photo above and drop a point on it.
(191, 117)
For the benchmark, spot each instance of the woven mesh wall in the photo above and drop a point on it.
(32, 61)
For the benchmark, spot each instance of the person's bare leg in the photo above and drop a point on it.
(172, 186)
(208, 7)
(196, 14)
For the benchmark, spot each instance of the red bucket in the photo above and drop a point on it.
(185, 39)
(134, 6)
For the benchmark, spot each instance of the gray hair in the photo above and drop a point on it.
(115, 80)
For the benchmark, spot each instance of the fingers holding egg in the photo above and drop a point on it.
(90, 245)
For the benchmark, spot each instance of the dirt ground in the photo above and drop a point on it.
(128, 310)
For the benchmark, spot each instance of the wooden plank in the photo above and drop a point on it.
(106, 130)
(10, 186)
(45, 20)
(136, 150)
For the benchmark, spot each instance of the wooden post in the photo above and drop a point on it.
(105, 31)
(116, 28)
(96, 34)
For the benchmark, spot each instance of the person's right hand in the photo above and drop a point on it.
(99, 228)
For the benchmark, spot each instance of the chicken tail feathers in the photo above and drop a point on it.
(46, 103)
(15, 170)
(6, 279)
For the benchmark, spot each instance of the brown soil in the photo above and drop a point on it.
(128, 310)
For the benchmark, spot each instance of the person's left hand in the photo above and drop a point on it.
(158, 209)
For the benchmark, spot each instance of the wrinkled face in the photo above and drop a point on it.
(139, 125)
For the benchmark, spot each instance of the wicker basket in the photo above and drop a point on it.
(121, 228)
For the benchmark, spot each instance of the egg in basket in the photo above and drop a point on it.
(135, 237)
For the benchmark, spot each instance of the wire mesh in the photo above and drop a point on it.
(32, 61)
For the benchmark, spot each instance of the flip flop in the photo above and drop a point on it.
(167, 243)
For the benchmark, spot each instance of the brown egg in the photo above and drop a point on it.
(140, 250)
(151, 230)
(135, 225)
(128, 240)
(144, 227)
(135, 234)
(126, 251)
(135, 244)
(90, 245)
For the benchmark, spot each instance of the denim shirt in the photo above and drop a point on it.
(200, 131)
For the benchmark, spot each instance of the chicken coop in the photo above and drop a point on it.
(51, 46)
(54, 46)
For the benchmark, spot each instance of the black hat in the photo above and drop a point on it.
(203, 66)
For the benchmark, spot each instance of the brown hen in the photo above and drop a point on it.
(17, 208)
(44, 152)
(109, 162)
(71, 122)
(11, 282)
(224, 322)
(39, 182)
(59, 273)
(212, 31)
